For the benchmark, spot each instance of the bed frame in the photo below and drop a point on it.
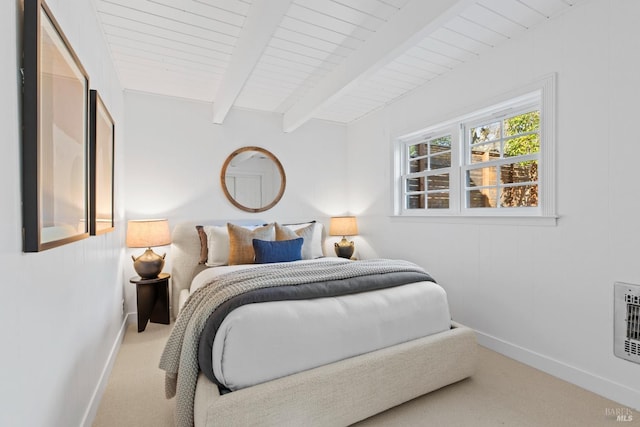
(337, 394)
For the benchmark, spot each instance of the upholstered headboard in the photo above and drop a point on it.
(185, 254)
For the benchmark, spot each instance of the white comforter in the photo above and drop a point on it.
(261, 342)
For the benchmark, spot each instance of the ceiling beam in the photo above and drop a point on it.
(411, 24)
(263, 19)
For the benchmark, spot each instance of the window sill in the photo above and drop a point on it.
(541, 221)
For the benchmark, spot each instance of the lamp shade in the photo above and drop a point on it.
(146, 233)
(343, 226)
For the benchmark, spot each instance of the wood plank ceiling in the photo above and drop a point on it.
(335, 60)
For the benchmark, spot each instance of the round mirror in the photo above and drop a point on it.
(253, 179)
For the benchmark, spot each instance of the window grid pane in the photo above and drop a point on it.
(522, 145)
(438, 182)
(486, 133)
(483, 197)
(519, 196)
(482, 177)
(418, 150)
(415, 201)
(438, 200)
(481, 153)
(418, 165)
(520, 172)
(441, 160)
(415, 184)
(522, 124)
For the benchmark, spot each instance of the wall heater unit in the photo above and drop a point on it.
(626, 342)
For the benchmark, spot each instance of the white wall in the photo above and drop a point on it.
(175, 152)
(61, 309)
(541, 294)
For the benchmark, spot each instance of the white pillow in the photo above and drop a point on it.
(217, 245)
(312, 248)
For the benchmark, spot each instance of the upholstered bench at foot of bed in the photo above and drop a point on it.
(344, 392)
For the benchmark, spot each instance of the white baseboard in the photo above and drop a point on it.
(606, 388)
(94, 403)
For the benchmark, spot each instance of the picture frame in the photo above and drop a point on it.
(101, 169)
(55, 206)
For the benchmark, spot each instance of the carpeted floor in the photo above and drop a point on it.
(502, 393)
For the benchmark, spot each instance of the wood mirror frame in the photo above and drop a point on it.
(278, 165)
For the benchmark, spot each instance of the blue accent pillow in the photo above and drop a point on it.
(277, 251)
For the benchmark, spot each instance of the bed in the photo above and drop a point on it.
(335, 375)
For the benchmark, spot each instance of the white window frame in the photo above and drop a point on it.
(539, 95)
(452, 170)
(523, 106)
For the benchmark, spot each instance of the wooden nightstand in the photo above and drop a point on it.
(153, 300)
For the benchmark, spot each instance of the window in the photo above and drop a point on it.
(428, 180)
(501, 161)
(497, 161)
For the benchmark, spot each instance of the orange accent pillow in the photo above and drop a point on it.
(241, 242)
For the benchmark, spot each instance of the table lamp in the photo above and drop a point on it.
(343, 226)
(146, 233)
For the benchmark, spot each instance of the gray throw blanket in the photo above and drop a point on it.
(180, 356)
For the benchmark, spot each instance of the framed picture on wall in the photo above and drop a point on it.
(55, 136)
(101, 169)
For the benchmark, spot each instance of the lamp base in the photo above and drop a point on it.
(344, 248)
(149, 264)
